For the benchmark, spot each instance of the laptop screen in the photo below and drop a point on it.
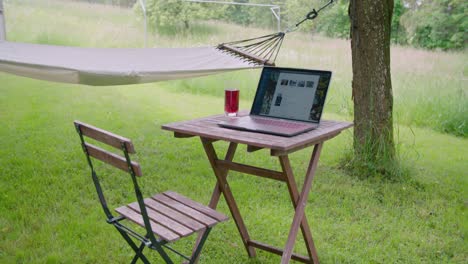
(296, 94)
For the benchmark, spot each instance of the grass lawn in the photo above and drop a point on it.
(49, 212)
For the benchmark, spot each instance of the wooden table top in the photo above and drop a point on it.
(207, 127)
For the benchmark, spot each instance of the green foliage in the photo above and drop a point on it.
(428, 24)
(250, 15)
(179, 14)
(238, 14)
(122, 3)
(437, 24)
(172, 13)
(398, 31)
(335, 22)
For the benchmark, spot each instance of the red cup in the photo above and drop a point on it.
(231, 102)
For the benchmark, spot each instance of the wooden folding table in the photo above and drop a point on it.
(209, 132)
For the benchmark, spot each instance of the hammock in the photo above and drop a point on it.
(106, 66)
(93, 66)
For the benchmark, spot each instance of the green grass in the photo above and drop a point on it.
(50, 212)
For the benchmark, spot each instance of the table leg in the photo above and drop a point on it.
(299, 202)
(223, 186)
(216, 192)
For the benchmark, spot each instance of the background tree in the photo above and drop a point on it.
(437, 24)
(171, 13)
(334, 22)
(371, 23)
(398, 31)
(429, 24)
(239, 14)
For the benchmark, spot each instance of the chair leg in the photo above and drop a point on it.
(163, 254)
(139, 253)
(197, 251)
(132, 244)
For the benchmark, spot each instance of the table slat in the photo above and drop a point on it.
(208, 128)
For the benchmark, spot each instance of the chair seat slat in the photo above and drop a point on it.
(163, 220)
(182, 208)
(135, 217)
(197, 206)
(175, 215)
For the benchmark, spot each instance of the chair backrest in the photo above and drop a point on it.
(106, 137)
(121, 162)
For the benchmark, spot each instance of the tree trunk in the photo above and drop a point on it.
(372, 87)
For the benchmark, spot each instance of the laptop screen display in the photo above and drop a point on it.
(291, 94)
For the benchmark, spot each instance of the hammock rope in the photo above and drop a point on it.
(264, 50)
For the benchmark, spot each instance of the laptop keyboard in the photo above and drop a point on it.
(279, 123)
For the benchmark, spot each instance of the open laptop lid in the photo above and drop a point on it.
(288, 93)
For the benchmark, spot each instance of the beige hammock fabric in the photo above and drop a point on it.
(112, 66)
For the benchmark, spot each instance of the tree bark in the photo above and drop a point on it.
(372, 86)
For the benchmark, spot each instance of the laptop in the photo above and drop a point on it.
(288, 102)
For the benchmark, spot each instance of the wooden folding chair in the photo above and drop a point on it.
(165, 217)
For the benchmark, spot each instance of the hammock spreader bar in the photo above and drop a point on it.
(259, 50)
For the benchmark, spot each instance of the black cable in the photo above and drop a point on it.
(313, 13)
